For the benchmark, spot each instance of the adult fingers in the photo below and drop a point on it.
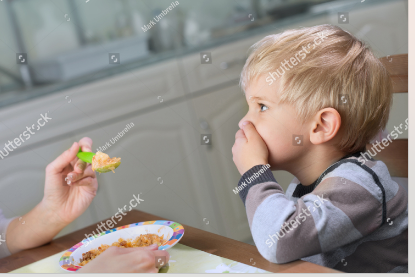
(83, 182)
(161, 258)
(162, 253)
(73, 177)
(86, 144)
(151, 247)
(61, 162)
(79, 166)
(135, 249)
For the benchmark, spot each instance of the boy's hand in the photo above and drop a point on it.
(68, 200)
(249, 149)
(127, 260)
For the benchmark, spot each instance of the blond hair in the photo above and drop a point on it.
(340, 65)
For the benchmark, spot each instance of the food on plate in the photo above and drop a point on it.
(102, 163)
(140, 241)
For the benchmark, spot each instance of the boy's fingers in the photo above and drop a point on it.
(60, 163)
(240, 134)
(250, 130)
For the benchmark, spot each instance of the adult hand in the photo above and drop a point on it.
(127, 260)
(70, 185)
(61, 203)
(249, 148)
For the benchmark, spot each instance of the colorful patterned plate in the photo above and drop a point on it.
(172, 231)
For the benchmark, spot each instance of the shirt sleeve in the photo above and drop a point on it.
(344, 207)
(4, 223)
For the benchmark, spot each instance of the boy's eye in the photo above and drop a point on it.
(263, 107)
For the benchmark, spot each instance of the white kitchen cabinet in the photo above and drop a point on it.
(161, 161)
(229, 59)
(162, 146)
(23, 177)
(219, 113)
(94, 103)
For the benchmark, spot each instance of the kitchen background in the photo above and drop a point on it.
(90, 65)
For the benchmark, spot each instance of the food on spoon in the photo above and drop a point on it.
(102, 163)
(141, 241)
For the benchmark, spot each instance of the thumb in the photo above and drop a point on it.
(249, 130)
(59, 164)
(151, 247)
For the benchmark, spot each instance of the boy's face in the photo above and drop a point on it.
(276, 123)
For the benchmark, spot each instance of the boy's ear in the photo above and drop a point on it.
(325, 125)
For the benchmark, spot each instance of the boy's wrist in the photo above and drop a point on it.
(255, 175)
(256, 165)
(259, 173)
(245, 167)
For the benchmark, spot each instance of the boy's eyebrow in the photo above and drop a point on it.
(260, 98)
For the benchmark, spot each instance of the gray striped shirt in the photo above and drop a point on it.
(354, 218)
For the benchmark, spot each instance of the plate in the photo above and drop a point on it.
(171, 230)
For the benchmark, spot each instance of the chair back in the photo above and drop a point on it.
(395, 155)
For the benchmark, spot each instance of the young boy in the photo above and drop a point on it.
(316, 97)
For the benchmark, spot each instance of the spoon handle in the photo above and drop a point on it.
(85, 156)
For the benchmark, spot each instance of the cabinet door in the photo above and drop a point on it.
(218, 114)
(161, 164)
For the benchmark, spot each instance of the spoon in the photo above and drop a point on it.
(99, 165)
(85, 156)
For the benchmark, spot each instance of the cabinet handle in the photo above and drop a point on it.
(228, 64)
(204, 125)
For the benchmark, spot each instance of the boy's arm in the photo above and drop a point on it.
(334, 214)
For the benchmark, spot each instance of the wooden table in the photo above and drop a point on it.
(193, 237)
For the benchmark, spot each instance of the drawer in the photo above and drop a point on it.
(226, 65)
(93, 103)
